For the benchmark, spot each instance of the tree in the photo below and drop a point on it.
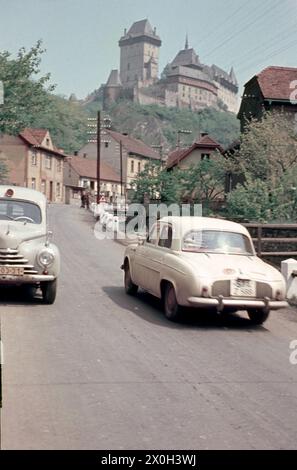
(25, 95)
(66, 120)
(268, 148)
(205, 181)
(257, 200)
(267, 160)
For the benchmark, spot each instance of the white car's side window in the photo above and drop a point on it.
(165, 239)
(153, 235)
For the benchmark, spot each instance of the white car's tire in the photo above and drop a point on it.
(172, 309)
(49, 291)
(130, 287)
(258, 316)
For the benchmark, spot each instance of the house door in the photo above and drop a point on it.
(51, 191)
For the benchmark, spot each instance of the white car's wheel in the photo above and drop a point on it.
(130, 287)
(172, 309)
(258, 316)
(49, 291)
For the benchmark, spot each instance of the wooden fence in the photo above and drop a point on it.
(283, 237)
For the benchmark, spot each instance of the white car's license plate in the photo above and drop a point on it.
(243, 288)
(11, 271)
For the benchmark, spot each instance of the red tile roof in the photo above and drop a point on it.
(35, 137)
(275, 82)
(88, 168)
(39, 134)
(133, 145)
(205, 142)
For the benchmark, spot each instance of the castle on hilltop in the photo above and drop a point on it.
(184, 83)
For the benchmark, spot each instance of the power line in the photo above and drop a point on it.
(248, 25)
(242, 21)
(222, 23)
(273, 54)
(278, 39)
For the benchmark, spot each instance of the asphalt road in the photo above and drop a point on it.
(101, 370)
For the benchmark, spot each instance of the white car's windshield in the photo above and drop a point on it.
(215, 241)
(20, 211)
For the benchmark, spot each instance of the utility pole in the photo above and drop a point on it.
(160, 148)
(179, 132)
(121, 166)
(97, 126)
(98, 155)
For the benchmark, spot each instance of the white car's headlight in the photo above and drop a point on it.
(45, 258)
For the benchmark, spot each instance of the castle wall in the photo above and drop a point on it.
(229, 98)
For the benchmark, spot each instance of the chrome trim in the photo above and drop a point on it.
(26, 279)
(221, 302)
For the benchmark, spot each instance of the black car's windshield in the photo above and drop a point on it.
(20, 211)
(215, 241)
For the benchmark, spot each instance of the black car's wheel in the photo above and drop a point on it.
(172, 309)
(130, 287)
(258, 316)
(49, 291)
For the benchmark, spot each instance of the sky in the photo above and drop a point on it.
(81, 36)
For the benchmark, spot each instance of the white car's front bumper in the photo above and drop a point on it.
(222, 302)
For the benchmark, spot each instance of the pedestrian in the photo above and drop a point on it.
(87, 201)
(83, 200)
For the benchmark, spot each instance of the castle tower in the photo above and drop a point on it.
(139, 55)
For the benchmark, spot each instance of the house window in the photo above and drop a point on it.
(139, 167)
(34, 158)
(43, 186)
(106, 144)
(128, 66)
(132, 166)
(205, 156)
(48, 162)
(59, 165)
(33, 183)
(58, 190)
(47, 142)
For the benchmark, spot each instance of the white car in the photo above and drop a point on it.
(27, 256)
(203, 263)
